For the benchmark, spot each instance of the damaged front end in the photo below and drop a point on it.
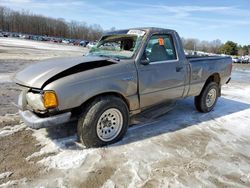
(39, 107)
(36, 107)
(39, 75)
(39, 101)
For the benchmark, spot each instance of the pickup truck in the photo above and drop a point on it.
(125, 73)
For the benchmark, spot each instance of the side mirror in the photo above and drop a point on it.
(145, 61)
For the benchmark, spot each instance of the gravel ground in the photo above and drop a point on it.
(17, 144)
(183, 148)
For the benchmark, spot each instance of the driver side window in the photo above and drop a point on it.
(160, 48)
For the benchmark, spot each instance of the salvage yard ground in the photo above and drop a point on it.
(182, 148)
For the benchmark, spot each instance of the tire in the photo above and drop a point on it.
(202, 101)
(103, 122)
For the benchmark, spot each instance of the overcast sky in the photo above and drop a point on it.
(205, 20)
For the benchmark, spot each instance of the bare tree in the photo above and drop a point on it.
(205, 46)
(28, 23)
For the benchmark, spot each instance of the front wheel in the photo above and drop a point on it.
(104, 122)
(206, 101)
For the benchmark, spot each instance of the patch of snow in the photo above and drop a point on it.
(109, 184)
(9, 130)
(5, 78)
(65, 158)
(5, 175)
(242, 70)
(36, 44)
(9, 117)
(48, 145)
(36, 50)
(14, 183)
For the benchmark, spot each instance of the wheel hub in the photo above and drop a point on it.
(109, 124)
(211, 97)
(106, 122)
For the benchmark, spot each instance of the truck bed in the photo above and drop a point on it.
(194, 58)
(204, 66)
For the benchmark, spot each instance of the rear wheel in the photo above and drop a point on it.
(206, 101)
(104, 122)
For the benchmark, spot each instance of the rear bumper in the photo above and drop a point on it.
(35, 122)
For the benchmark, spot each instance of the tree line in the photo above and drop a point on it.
(216, 47)
(29, 23)
(204, 46)
(232, 48)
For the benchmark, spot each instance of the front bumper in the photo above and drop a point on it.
(35, 122)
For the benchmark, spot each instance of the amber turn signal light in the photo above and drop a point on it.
(50, 99)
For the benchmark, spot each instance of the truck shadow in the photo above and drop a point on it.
(182, 116)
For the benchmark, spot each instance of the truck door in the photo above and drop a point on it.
(161, 73)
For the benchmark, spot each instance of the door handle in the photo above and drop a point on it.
(179, 68)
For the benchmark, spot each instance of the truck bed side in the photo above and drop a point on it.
(204, 67)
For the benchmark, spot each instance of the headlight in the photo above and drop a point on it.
(35, 100)
(50, 99)
(42, 101)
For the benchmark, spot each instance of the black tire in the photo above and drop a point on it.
(200, 100)
(88, 120)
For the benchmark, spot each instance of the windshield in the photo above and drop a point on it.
(122, 46)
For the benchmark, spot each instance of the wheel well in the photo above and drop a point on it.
(79, 109)
(213, 78)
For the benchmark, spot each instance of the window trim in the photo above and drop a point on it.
(174, 45)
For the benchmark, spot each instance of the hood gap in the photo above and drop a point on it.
(78, 68)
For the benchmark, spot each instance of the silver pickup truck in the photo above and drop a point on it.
(126, 73)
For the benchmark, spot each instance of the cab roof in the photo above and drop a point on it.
(147, 29)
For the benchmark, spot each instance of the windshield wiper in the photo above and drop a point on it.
(113, 58)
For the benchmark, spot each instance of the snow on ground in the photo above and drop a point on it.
(21, 49)
(5, 175)
(14, 42)
(63, 146)
(4, 78)
(8, 130)
(184, 148)
(14, 183)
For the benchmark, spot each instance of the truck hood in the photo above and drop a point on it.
(44, 72)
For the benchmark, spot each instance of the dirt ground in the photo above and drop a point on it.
(183, 148)
(17, 144)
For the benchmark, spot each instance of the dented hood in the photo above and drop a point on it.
(35, 76)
